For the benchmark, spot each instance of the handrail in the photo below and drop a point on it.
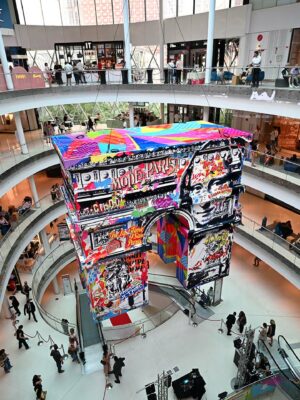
(78, 317)
(282, 337)
(286, 358)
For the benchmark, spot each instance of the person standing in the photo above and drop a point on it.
(256, 62)
(263, 334)
(179, 69)
(256, 261)
(106, 361)
(117, 368)
(47, 74)
(58, 77)
(73, 350)
(241, 321)
(230, 321)
(271, 331)
(29, 308)
(210, 295)
(26, 290)
(80, 68)
(171, 71)
(4, 361)
(15, 304)
(21, 337)
(90, 124)
(68, 71)
(37, 386)
(4, 225)
(57, 357)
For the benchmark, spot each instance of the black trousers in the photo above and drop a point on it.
(58, 364)
(255, 77)
(229, 327)
(117, 376)
(178, 76)
(16, 308)
(21, 342)
(33, 314)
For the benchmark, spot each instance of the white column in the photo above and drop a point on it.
(162, 113)
(5, 311)
(34, 191)
(45, 242)
(243, 53)
(162, 42)
(131, 116)
(205, 114)
(5, 66)
(127, 38)
(55, 286)
(210, 40)
(20, 133)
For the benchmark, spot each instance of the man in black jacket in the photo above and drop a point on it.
(117, 368)
(21, 337)
(230, 322)
(29, 308)
(15, 304)
(57, 358)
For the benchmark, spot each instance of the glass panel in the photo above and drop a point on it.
(236, 3)
(118, 11)
(169, 7)
(104, 12)
(20, 12)
(220, 4)
(51, 12)
(137, 10)
(69, 12)
(201, 6)
(185, 7)
(87, 14)
(33, 12)
(152, 10)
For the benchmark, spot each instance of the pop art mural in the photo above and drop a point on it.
(118, 182)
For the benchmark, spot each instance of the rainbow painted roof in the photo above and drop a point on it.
(94, 147)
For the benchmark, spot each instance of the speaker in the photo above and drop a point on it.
(150, 389)
(281, 83)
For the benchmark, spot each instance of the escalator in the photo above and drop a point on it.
(289, 383)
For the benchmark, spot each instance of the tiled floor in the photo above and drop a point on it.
(260, 292)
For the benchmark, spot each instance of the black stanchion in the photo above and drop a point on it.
(102, 74)
(124, 72)
(149, 75)
(166, 73)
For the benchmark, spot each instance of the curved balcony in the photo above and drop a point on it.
(14, 242)
(279, 101)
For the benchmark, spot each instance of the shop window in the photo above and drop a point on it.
(137, 10)
(104, 12)
(69, 12)
(87, 15)
(118, 11)
(33, 12)
(51, 12)
(169, 7)
(185, 7)
(152, 10)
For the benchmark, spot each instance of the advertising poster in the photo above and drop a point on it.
(118, 285)
(63, 231)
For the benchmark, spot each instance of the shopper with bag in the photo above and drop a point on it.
(57, 357)
(38, 388)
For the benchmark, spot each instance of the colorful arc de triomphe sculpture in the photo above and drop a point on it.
(119, 182)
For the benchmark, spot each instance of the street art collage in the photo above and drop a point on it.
(118, 182)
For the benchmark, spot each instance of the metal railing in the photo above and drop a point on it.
(223, 75)
(280, 167)
(269, 238)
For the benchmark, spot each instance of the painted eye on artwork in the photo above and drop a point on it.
(80, 137)
(122, 172)
(87, 178)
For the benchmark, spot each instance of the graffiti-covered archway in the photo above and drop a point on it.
(117, 183)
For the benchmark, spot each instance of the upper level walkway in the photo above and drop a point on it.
(269, 100)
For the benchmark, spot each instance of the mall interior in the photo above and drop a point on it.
(186, 260)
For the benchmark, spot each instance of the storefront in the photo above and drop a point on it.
(110, 53)
(29, 120)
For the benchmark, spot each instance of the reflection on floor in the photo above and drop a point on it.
(260, 292)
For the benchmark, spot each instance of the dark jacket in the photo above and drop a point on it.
(118, 365)
(56, 355)
(271, 330)
(29, 308)
(230, 319)
(19, 334)
(15, 302)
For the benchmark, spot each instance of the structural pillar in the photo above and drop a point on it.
(5, 66)
(131, 115)
(206, 114)
(20, 133)
(162, 42)
(34, 191)
(162, 113)
(243, 51)
(45, 242)
(55, 286)
(127, 39)
(210, 40)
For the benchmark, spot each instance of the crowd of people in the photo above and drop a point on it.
(11, 216)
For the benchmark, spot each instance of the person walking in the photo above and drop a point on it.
(179, 69)
(58, 76)
(263, 334)
(271, 331)
(90, 124)
(15, 305)
(57, 357)
(80, 68)
(73, 350)
(230, 321)
(117, 368)
(256, 62)
(241, 321)
(256, 261)
(21, 337)
(29, 308)
(4, 361)
(38, 388)
(26, 290)
(106, 361)
(68, 71)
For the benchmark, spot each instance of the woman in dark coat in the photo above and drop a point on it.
(242, 321)
(271, 331)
